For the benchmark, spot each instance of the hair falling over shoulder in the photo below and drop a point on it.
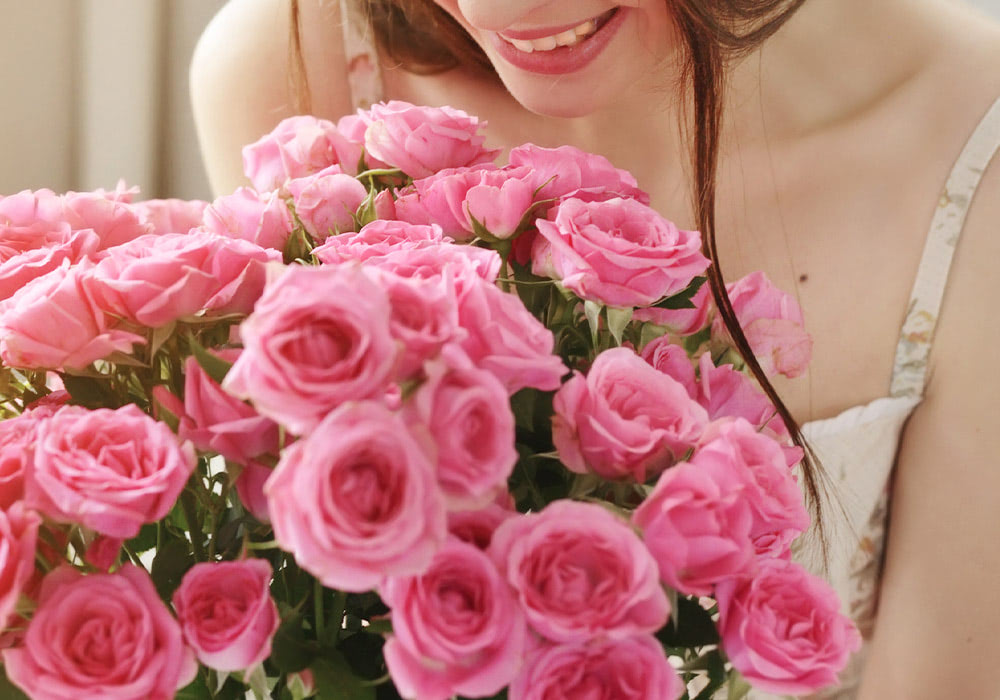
(423, 38)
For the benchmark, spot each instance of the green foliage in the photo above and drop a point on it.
(683, 299)
(172, 561)
(336, 681)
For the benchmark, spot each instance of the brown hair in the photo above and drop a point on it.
(423, 38)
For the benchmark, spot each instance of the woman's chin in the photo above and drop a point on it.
(558, 99)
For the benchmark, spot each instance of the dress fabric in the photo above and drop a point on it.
(858, 447)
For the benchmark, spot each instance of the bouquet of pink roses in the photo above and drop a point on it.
(394, 422)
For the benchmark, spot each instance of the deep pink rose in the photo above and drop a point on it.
(377, 239)
(227, 614)
(580, 572)
(680, 322)
(477, 526)
(327, 201)
(101, 636)
(18, 535)
(216, 421)
(298, 146)
(505, 339)
(423, 140)
(170, 215)
(497, 199)
(317, 338)
(467, 411)
(783, 630)
(17, 440)
(606, 669)
(53, 323)
(697, 526)
(155, 280)
(358, 499)
(624, 419)
(456, 628)
(250, 489)
(109, 470)
(569, 172)
(773, 324)
(261, 218)
(671, 359)
(618, 252)
(28, 252)
(102, 553)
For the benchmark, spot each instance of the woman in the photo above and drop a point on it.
(841, 122)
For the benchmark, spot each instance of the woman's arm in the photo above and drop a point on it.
(937, 634)
(240, 79)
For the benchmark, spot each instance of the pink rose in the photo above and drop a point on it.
(671, 359)
(377, 239)
(53, 323)
(580, 572)
(773, 324)
(618, 252)
(680, 322)
(109, 470)
(155, 280)
(569, 172)
(103, 552)
(357, 500)
(247, 215)
(467, 411)
(298, 146)
(102, 635)
(17, 438)
(109, 215)
(423, 140)
(250, 489)
(327, 202)
(727, 392)
(505, 339)
(782, 629)
(461, 263)
(28, 252)
(227, 614)
(170, 215)
(216, 421)
(457, 628)
(624, 419)
(606, 669)
(477, 526)
(18, 535)
(697, 526)
(318, 337)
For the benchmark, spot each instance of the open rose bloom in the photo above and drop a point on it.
(397, 413)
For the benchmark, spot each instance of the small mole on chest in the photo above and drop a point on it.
(803, 278)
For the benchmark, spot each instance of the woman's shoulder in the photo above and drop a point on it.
(241, 82)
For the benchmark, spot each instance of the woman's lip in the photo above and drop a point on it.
(563, 59)
(528, 34)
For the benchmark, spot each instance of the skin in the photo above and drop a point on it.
(838, 135)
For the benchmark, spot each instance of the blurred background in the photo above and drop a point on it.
(97, 90)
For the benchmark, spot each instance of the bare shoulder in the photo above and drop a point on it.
(241, 81)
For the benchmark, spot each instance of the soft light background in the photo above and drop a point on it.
(96, 90)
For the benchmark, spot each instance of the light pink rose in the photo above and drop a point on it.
(617, 252)
(462, 263)
(101, 635)
(680, 322)
(317, 338)
(505, 339)
(260, 218)
(467, 411)
(298, 146)
(18, 535)
(227, 614)
(377, 239)
(109, 470)
(569, 172)
(155, 280)
(497, 199)
(28, 252)
(170, 215)
(477, 526)
(327, 201)
(27, 207)
(109, 215)
(54, 323)
(671, 359)
(423, 140)
(624, 419)
(697, 526)
(782, 629)
(457, 628)
(358, 500)
(250, 489)
(216, 421)
(773, 324)
(17, 440)
(605, 669)
(580, 572)
(727, 392)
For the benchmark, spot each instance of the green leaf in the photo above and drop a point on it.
(197, 690)
(618, 319)
(716, 676)
(335, 680)
(290, 651)
(683, 299)
(214, 366)
(90, 392)
(171, 563)
(9, 691)
(737, 686)
(522, 404)
(694, 626)
(592, 310)
(145, 540)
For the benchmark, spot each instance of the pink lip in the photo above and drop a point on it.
(563, 59)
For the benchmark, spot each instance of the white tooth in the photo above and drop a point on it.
(567, 38)
(520, 45)
(585, 28)
(546, 43)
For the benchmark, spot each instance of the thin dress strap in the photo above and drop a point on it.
(909, 372)
(364, 76)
